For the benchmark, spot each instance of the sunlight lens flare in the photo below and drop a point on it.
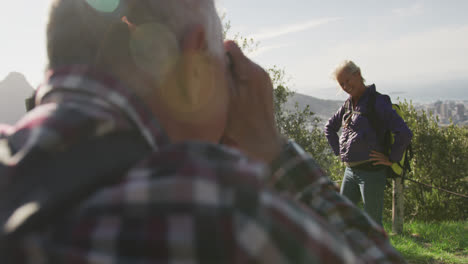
(197, 97)
(154, 49)
(105, 6)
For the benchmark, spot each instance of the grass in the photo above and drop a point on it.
(434, 243)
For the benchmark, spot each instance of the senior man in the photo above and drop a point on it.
(122, 161)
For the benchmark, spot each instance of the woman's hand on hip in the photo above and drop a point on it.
(380, 159)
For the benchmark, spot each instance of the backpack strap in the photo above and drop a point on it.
(373, 120)
(347, 107)
(51, 184)
(408, 157)
(371, 112)
(348, 113)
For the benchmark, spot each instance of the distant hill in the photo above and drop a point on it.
(323, 109)
(14, 89)
(422, 92)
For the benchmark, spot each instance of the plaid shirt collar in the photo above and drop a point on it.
(81, 79)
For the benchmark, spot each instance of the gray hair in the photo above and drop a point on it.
(77, 28)
(180, 15)
(347, 66)
(74, 33)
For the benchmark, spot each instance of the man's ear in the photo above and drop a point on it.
(194, 64)
(194, 46)
(193, 50)
(194, 40)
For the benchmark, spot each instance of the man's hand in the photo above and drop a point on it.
(380, 158)
(251, 126)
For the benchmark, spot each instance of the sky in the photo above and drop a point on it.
(23, 46)
(398, 43)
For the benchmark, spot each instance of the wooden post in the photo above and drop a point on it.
(397, 206)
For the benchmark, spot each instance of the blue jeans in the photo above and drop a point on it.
(368, 185)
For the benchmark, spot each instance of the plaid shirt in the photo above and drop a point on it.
(185, 203)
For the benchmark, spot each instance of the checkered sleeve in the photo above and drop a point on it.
(179, 206)
(5, 130)
(296, 173)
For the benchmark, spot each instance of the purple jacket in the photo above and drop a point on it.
(358, 139)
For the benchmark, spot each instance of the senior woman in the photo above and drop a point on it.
(361, 144)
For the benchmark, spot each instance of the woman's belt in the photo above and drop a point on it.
(368, 166)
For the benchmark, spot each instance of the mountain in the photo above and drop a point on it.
(427, 92)
(14, 89)
(421, 92)
(323, 109)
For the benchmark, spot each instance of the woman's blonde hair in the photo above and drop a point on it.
(348, 66)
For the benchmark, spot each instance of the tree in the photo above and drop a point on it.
(300, 124)
(441, 160)
(440, 153)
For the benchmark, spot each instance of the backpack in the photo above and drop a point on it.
(403, 166)
(398, 168)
